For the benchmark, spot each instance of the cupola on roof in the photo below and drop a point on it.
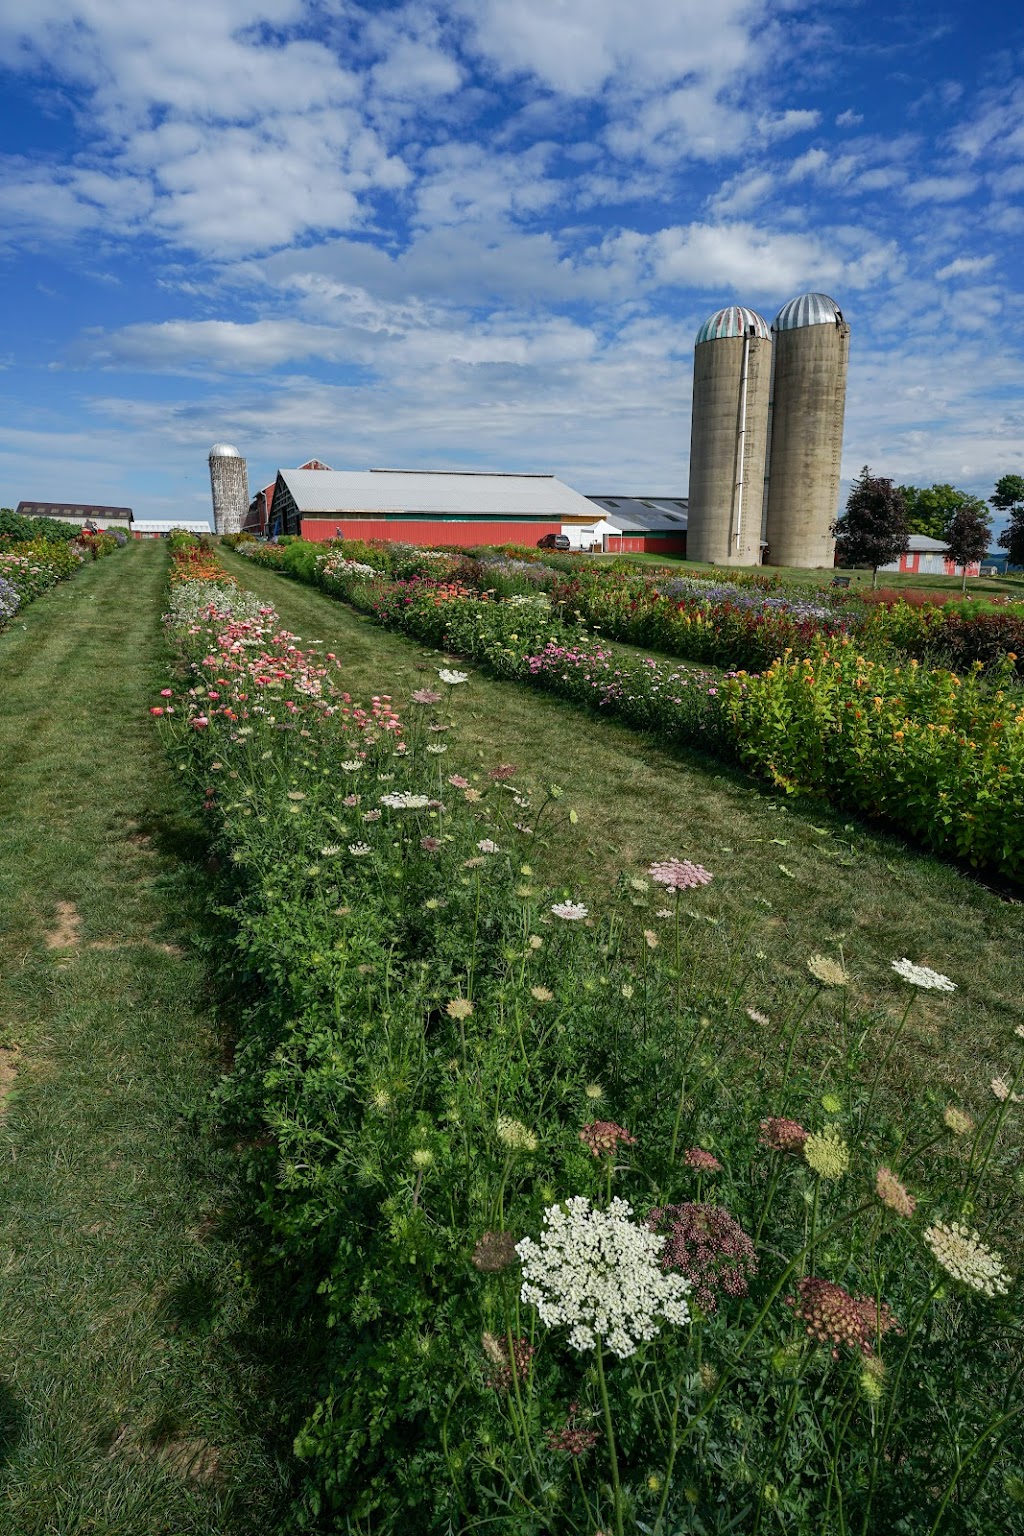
(808, 309)
(734, 320)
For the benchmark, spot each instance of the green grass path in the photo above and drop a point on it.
(124, 1405)
(833, 885)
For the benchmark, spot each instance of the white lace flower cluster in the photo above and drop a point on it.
(963, 1255)
(923, 976)
(597, 1273)
(405, 800)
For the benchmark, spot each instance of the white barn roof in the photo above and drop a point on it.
(445, 493)
(166, 525)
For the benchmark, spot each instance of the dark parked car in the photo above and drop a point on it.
(553, 541)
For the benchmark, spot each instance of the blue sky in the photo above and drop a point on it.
(483, 233)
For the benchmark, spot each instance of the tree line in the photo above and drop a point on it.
(875, 529)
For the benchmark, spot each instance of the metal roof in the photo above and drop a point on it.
(644, 514)
(442, 492)
(65, 511)
(166, 524)
(807, 309)
(224, 451)
(733, 320)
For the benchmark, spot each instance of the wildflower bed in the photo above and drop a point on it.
(28, 568)
(582, 1250)
(937, 756)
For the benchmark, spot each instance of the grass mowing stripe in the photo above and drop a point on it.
(832, 885)
(123, 1409)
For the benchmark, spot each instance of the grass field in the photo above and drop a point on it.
(802, 877)
(129, 1402)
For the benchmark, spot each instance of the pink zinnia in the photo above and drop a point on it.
(696, 1157)
(679, 874)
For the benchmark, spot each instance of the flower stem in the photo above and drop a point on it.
(610, 1432)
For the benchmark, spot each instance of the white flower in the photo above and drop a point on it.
(570, 911)
(921, 976)
(1001, 1089)
(597, 1273)
(436, 749)
(963, 1255)
(352, 767)
(359, 850)
(330, 850)
(486, 845)
(514, 1135)
(405, 800)
(451, 678)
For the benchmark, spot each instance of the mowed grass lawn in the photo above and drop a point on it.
(132, 1397)
(791, 878)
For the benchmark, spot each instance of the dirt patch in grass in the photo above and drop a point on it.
(66, 932)
(189, 1456)
(8, 1071)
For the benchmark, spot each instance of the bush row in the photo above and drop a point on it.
(577, 1245)
(940, 758)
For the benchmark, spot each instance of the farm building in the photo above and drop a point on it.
(463, 507)
(643, 524)
(261, 508)
(927, 557)
(160, 527)
(100, 517)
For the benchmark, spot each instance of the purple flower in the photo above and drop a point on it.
(679, 874)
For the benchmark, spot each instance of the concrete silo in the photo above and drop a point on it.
(229, 482)
(728, 436)
(811, 354)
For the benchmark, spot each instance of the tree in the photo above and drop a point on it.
(1009, 497)
(967, 536)
(873, 529)
(930, 509)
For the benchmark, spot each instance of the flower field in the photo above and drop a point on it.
(31, 567)
(870, 728)
(579, 1248)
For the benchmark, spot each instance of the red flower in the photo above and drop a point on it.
(156, 710)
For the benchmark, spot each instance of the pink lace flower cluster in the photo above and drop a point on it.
(832, 1316)
(709, 1247)
(601, 1137)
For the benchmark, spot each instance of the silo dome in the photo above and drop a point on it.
(733, 320)
(224, 451)
(808, 309)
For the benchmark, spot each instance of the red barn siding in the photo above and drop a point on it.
(645, 544)
(319, 530)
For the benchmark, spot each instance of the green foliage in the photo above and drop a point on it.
(938, 755)
(14, 526)
(1009, 497)
(873, 529)
(930, 510)
(425, 1041)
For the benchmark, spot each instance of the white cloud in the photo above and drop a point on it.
(849, 118)
(741, 258)
(940, 189)
(964, 266)
(783, 124)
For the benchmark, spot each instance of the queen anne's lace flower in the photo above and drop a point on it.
(894, 1194)
(958, 1120)
(679, 874)
(405, 800)
(963, 1255)
(601, 1137)
(570, 911)
(779, 1134)
(514, 1135)
(923, 976)
(832, 1316)
(827, 1153)
(709, 1247)
(452, 678)
(829, 972)
(597, 1273)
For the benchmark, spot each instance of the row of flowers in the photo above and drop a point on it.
(31, 567)
(939, 756)
(574, 1232)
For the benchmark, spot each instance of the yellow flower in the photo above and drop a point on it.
(459, 1008)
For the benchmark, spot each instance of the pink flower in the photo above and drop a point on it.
(199, 723)
(167, 693)
(679, 874)
(156, 710)
(781, 1135)
(709, 1247)
(458, 782)
(696, 1157)
(602, 1137)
